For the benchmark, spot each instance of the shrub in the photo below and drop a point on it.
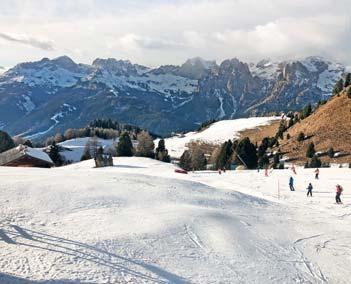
(300, 137)
(310, 150)
(331, 152)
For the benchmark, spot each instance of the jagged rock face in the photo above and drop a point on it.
(43, 97)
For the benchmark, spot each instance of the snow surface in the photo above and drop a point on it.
(217, 133)
(139, 222)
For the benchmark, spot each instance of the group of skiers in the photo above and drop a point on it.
(309, 188)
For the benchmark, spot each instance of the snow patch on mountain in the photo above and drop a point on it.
(56, 118)
(166, 84)
(46, 77)
(26, 104)
(329, 77)
(265, 69)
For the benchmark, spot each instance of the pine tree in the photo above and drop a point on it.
(54, 154)
(310, 150)
(161, 152)
(124, 146)
(246, 153)
(225, 155)
(347, 80)
(306, 111)
(6, 142)
(315, 162)
(291, 122)
(146, 145)
(338, 87)
(185, 161)
(198, 160)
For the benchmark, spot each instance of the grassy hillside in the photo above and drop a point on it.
(329, 126)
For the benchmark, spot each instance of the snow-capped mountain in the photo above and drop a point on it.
(43, 97)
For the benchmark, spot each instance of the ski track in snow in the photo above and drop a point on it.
(139, 222)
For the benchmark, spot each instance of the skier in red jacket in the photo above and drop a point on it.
(338, 193)
(317, 173)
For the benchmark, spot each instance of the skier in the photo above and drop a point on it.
(293, 169)
(224, 169)
(317, 173)
(291, 184)
(220, 171)
(339, 190)
(309, 189)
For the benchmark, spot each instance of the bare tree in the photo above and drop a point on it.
(146, 146)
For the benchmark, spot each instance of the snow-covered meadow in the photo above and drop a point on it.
(139, 222)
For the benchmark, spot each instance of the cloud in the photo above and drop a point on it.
(135, 41)
(168, 32)
(45, 45)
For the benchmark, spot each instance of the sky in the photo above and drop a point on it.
(157, 32)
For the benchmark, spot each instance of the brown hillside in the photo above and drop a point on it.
(329, 126)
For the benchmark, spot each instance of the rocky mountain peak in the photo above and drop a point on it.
(116, 67)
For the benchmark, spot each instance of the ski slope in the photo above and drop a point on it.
(139, 222)
(216, 133)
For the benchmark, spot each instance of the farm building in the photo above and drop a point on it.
(24, 156)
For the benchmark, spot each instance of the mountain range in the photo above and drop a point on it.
(40, 98)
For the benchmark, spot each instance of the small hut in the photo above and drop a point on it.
(103, 160)
(24, 156)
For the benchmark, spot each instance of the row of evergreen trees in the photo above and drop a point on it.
(241, 152)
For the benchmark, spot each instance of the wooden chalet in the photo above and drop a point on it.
(24, 156)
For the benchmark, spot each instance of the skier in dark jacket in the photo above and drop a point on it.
(309, 189)
(291, 184)
(338, 193)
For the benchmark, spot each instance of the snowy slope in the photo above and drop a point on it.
(217, 133)
(139, 222)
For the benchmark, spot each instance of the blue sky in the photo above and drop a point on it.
(170, 31)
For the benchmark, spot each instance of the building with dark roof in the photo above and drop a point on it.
(24, 156)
